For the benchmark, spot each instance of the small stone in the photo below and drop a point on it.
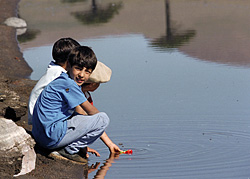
(15, 22)
(2, 97)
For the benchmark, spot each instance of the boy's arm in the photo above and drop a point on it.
(91, 110)
(112, 147)
(80, 110)
(88, 108)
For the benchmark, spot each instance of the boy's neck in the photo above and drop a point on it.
(64, 65)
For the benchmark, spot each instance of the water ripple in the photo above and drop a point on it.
(190, 154)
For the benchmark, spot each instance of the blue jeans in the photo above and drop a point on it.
(82, 131)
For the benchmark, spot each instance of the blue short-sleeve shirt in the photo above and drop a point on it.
(54, 106)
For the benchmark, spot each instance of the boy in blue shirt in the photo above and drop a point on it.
(60, 52)
(56, 125)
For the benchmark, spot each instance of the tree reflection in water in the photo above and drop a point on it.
(98, 14)
(173, 38)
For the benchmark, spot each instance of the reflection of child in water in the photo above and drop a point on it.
(101, 74)
(102, 171)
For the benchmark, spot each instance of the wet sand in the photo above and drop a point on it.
(13, 71)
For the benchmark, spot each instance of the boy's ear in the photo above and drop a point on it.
(68, 66)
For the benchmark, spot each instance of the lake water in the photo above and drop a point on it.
(179, 92)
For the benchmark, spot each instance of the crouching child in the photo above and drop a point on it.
(56, 124)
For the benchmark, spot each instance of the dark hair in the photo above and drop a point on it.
(82, 56)
(62, 48)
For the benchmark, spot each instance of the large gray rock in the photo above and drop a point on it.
(16, 144)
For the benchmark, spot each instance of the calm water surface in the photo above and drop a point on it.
(184, 113)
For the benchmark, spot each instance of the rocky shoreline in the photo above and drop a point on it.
(14, 86)
(15, 89)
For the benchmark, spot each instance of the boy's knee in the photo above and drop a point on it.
(104, 117)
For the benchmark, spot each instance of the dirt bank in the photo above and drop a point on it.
(14, 93)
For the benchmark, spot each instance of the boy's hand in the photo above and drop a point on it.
(114, 148)
(93, 151)
(93, 167)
